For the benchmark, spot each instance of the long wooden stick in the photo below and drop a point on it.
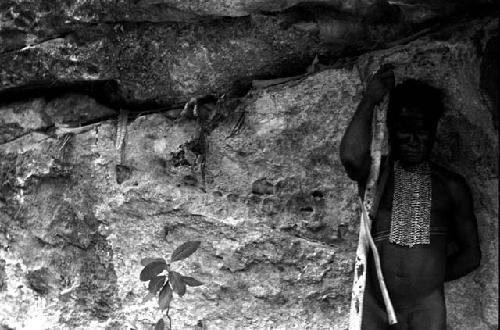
(391, 315)
(365, 240)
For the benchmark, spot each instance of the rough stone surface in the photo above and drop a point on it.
(39, 114)
(262, 187)
(54, 16)
(166, 63)
(169, 51)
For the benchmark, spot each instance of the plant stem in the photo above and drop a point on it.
(169, 319)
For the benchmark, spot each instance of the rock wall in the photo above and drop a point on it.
(164, 52)
(260, 184)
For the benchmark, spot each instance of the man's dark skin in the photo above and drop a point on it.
(415, 275)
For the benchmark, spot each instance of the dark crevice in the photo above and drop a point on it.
(307, 209)
(308, 11)
(105, 92)
(102, 90)
(98, 120)
(317, 194)
(48, 130)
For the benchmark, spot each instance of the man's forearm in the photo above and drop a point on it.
(355, 144)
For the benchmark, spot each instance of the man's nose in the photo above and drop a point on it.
(414, 138)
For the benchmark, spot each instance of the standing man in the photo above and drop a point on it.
(423, 208)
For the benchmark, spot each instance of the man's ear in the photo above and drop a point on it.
(433, 135)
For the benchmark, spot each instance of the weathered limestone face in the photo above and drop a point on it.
(260, 185)
(165, 52)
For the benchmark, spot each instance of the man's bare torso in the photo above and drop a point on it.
(412, 274)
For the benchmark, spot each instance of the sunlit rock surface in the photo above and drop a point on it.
(261, 186)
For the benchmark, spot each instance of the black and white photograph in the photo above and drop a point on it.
(249, 164)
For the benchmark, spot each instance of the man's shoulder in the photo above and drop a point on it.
(456, 183)
(446, 174)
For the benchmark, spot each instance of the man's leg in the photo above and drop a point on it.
(430, 314)
(374, 314)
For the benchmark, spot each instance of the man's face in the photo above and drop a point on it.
(412, 136)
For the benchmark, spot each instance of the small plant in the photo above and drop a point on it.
(164, 281)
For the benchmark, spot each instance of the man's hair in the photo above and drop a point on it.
(413, 93)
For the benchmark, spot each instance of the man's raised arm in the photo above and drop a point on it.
(355, 144)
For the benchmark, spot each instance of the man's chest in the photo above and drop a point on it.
(441, 204)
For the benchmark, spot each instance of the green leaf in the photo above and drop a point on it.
(177, 284)
(156, 284)
(152, 269)
(165, 296)
(160, 325)
(185, 250)
(191, 281)
(147, 261)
